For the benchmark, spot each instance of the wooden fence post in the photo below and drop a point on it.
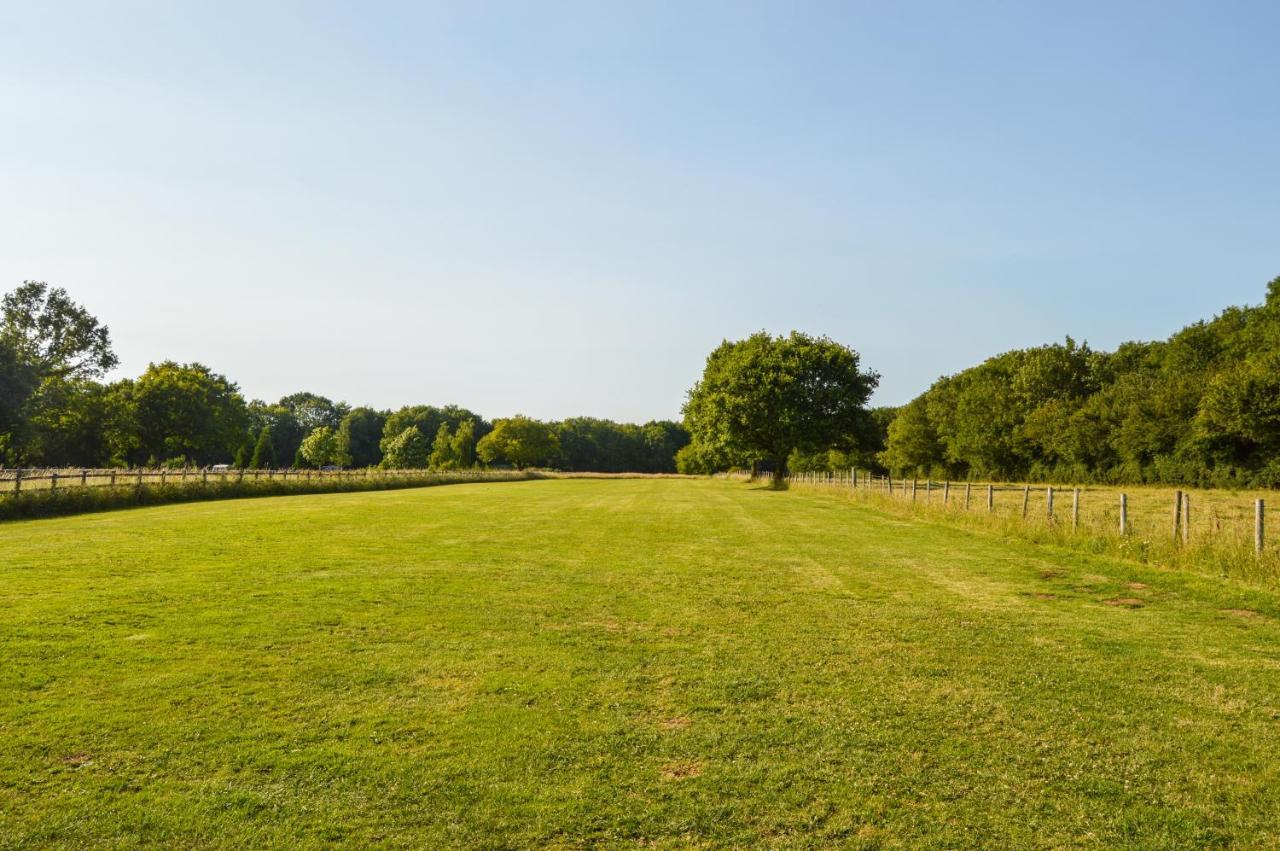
(991, 499)
(84, 477)
(17, 481)
(1186, 519)
(1048, 496)
(946, 493)
(113, 478)
(1259, 526)
(1026, 500)
(53, 480)
(913, 490)
(1177, 514)
(1124, 515)
(1075, 509)
(968, 492)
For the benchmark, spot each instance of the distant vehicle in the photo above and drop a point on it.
(220, 468)
(329, 468)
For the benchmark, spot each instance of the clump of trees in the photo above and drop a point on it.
(56, 410)
(1200, 408)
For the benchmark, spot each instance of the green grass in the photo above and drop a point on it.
(586, 662)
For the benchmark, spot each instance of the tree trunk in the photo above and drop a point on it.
(779, 471)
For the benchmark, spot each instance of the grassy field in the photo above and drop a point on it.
(584, 662)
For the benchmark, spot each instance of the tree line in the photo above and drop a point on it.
(1200, 408)
(56, 410)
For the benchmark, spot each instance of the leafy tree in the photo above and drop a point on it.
(44, 337)
(312, 410)
(358, 437)
(264, 451)
(320, 447)
(521, 442)
(406, 451)
(587, 443)
(699, 459)
(53, 334)
(286, 431)
(442, 455)
(427, 419)
(464, 445)
(765, 396)
(188, 411)
(68, 422)
(913, 444)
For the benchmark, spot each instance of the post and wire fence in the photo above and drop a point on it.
(1157, 524)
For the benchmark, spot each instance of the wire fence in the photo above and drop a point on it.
(1227, 531)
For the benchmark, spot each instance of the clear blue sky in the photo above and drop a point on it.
(560, 208)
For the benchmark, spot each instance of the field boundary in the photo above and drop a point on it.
(1226, 533)
(51, 493)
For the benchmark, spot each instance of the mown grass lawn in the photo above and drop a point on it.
(584, 662)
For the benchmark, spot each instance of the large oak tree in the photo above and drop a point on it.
(763, 397)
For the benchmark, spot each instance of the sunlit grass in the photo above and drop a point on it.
(632, 662)
(1221, 532)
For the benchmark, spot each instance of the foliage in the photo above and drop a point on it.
(312, 411)
(55, 411)
(186, 411)
(53, 334)
(764, 397)
(428, 419)
(521, 442)
(52, 346)
(320, 447)
(1201, 408)
(443, 456)
(358, 437)
(604, 446)
(463, 447)
(264, 451)
(701, 459)
(408, 450)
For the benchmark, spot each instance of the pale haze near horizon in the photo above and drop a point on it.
(560, 209)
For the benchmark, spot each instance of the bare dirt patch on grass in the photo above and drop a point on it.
(681, 770)
(1245, 614)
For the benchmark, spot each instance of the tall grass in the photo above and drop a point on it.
(1220, 544)
(46, 502)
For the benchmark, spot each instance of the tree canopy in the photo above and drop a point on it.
(1202, 407)
(521, 442)
(764, 397)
